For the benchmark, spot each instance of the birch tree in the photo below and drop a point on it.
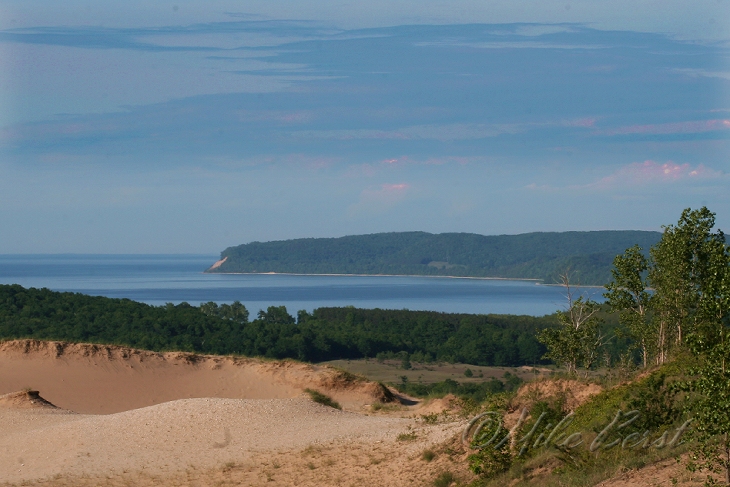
(628, 294)
(577, 341)
(710, 340)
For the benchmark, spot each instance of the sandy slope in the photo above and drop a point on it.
(214, 442)
(152, 419)
(167, 438)
(101, 379)
(118, 416)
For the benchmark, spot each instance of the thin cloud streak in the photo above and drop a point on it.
(445, 132)
(689, 127)
(642, 174)
(649, 172)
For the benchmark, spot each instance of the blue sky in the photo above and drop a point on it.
(191, 126)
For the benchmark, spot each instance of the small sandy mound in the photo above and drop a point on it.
(437, 406)
(24, 400)
(573, 392)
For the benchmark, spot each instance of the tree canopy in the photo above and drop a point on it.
(325, 334)
(542, 256)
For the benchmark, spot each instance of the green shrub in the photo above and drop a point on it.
(444, 479)
(490, 462)
(323, 399)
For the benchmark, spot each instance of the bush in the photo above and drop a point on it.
(323, 399)
(405, 364)
(444, 479)
(490, 462)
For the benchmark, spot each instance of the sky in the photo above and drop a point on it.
(189, 127)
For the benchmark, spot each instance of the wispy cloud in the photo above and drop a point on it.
(430, 161)
(587, 122)
(688, 127)
(640, 174)
(213, 36)
(654, 172)
(703, 73)
(517, 44)
(444, 132)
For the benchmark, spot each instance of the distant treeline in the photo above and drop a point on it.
(325, 334)
(428, 336)
(589, 255)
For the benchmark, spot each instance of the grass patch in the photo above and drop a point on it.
(431, 418)
(323, 399)
(347, 376)
(386, 408)
(428, 455)
(407, 436)
(444, 479)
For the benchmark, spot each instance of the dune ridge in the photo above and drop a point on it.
(105, 379)
(111, 415)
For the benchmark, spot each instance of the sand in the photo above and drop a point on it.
(110, 415)
(91, 415)
(101, 379)
(169, 437)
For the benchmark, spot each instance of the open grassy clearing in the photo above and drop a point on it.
(392, 371)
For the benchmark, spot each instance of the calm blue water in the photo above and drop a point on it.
(159, 279)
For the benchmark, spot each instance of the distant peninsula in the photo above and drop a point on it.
(541, 256)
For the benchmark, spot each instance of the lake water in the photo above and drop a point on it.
(159, 279)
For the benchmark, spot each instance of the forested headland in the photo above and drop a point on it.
(541, 255)
(325, 334)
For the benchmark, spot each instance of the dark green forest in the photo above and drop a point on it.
(325, 334)
(539, 255)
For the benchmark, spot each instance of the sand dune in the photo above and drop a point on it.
(102, 379)
(167, 438)
(112, 415)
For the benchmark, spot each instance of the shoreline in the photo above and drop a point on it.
(537, 281)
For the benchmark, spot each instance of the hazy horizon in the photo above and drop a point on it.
(188, 128)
